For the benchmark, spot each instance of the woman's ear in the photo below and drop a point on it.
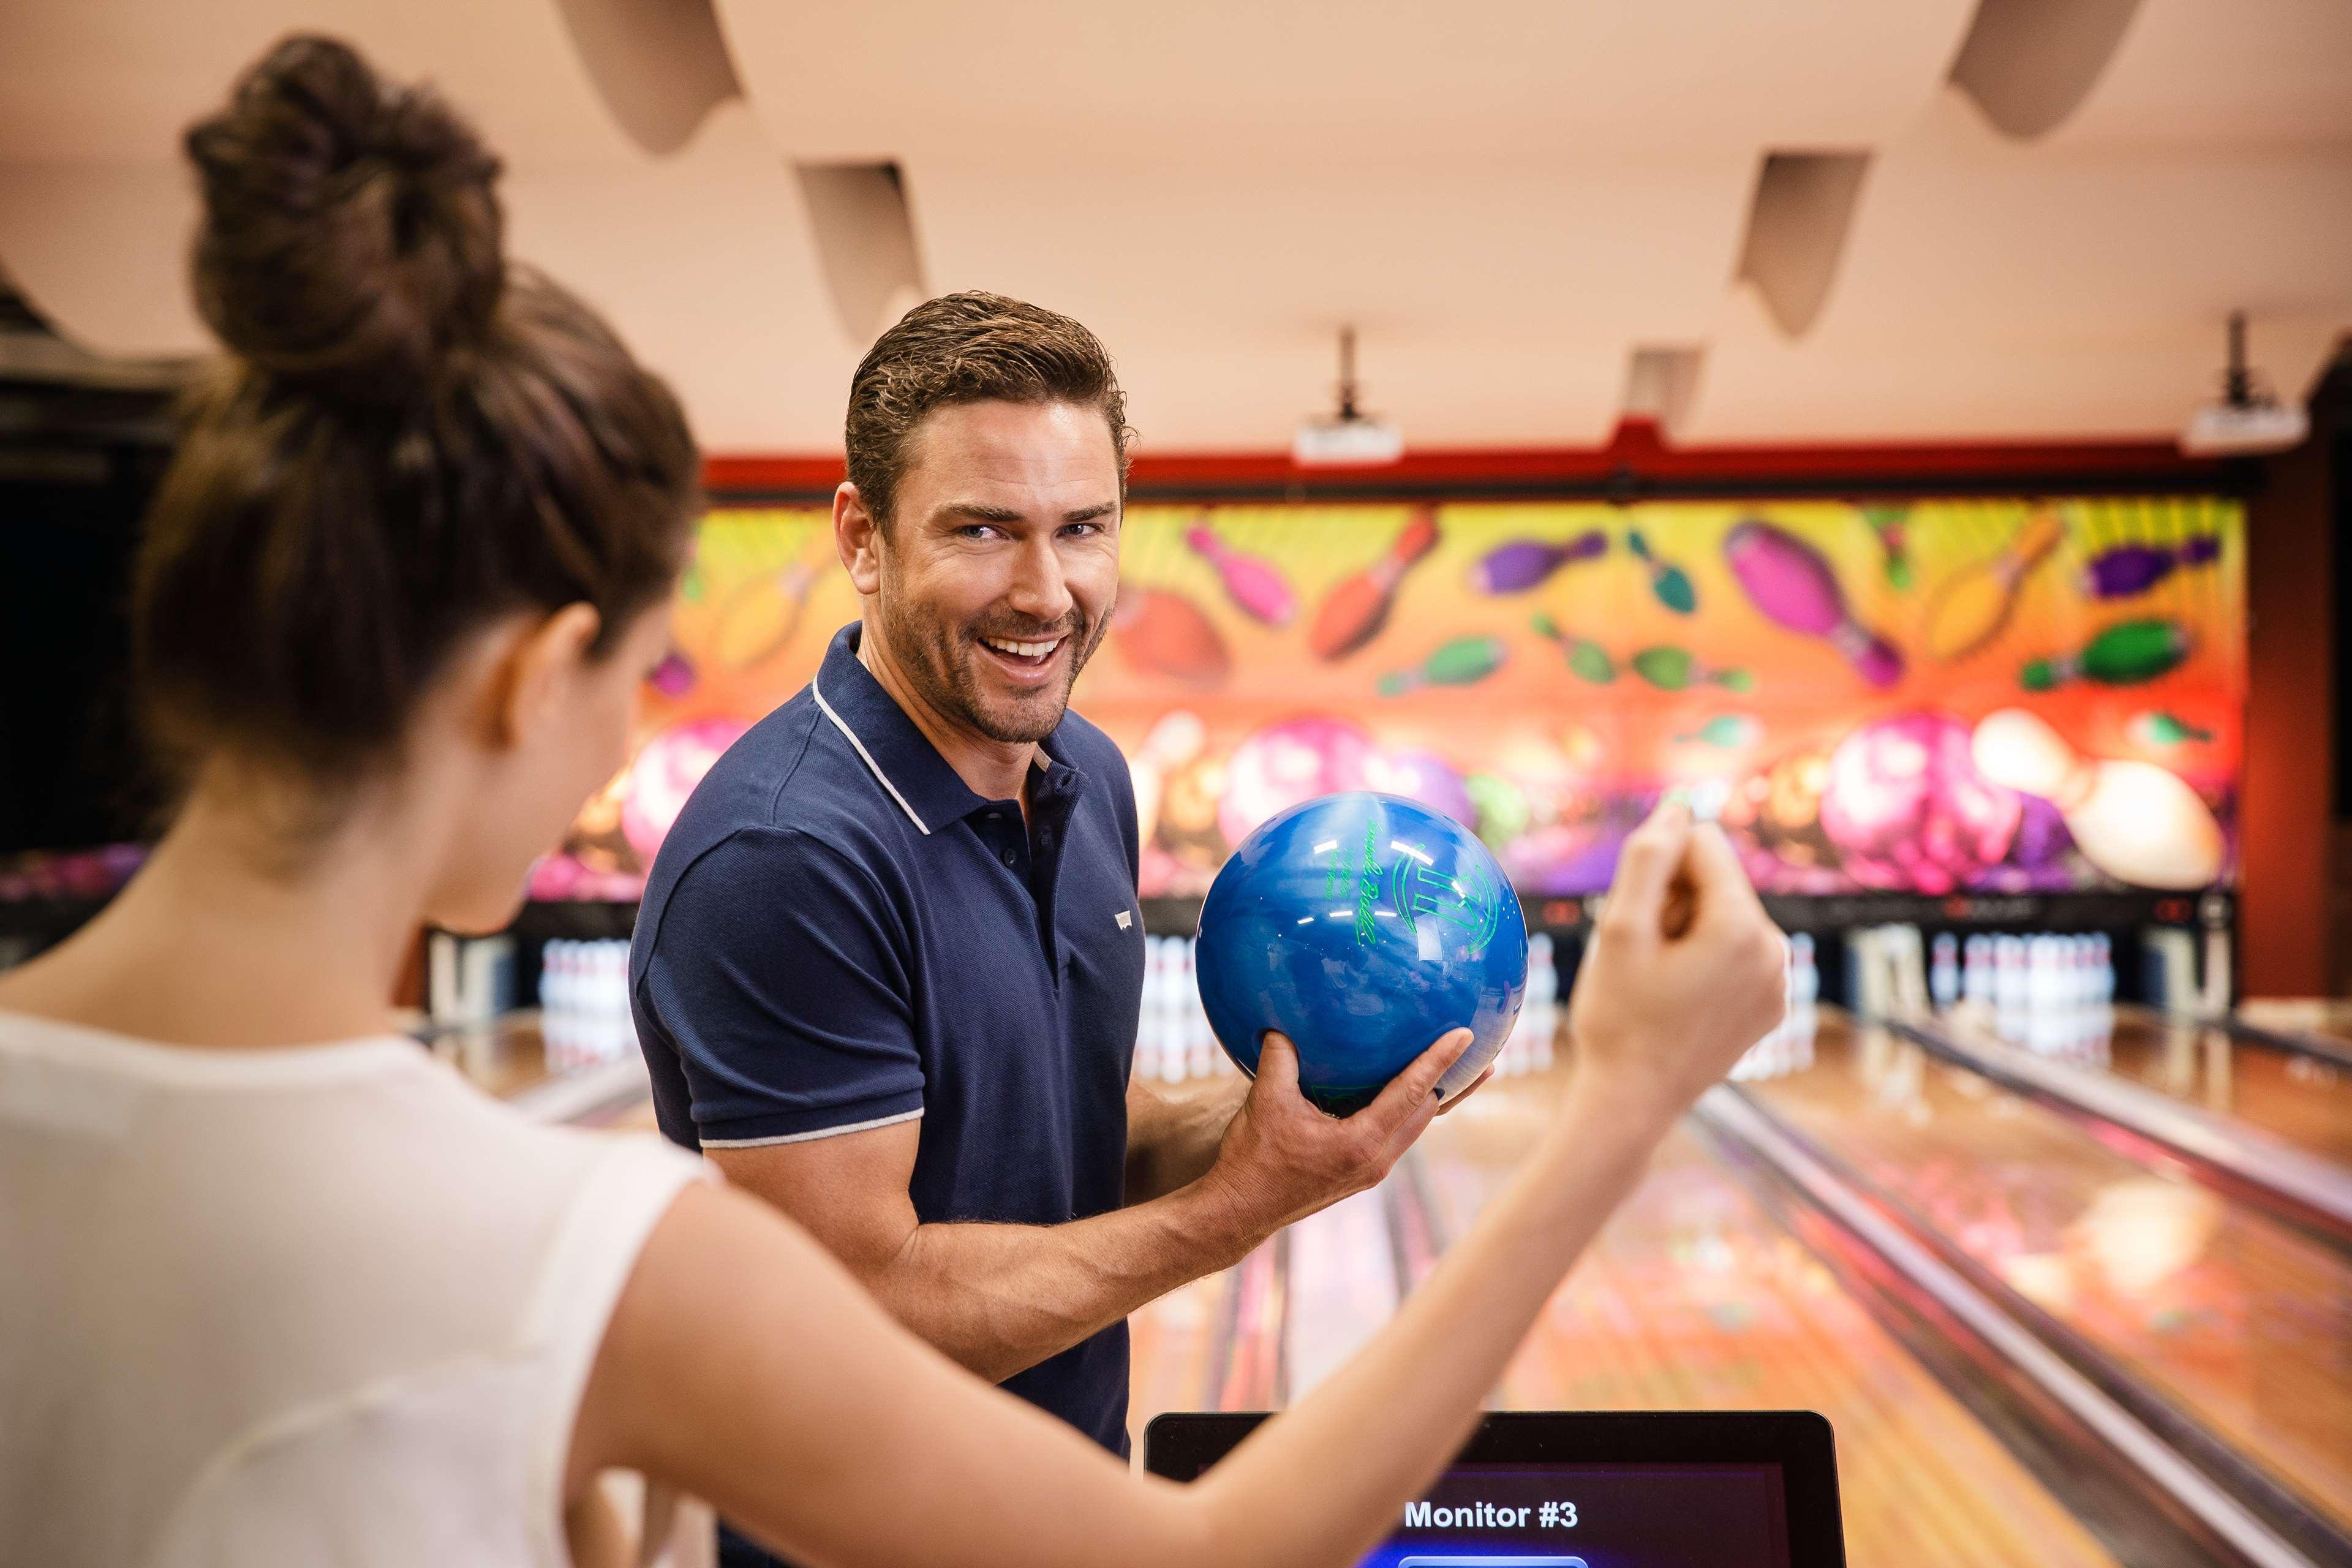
(541, 661)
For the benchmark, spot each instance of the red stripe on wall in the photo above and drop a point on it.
(1637, 455)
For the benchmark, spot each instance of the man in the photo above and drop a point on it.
(889, 961)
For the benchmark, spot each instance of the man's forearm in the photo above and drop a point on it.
(999, 1299)
(1172, 1134)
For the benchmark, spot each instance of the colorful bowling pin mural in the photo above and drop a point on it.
(1162, 633)
(1519, 564)
(2124, 571)
(1465, 661)
(2129, 653)
(1792, 585)
(1974, 606)
(2132, 819)
(1493, 659)
(1357, 607)
(1669, 582)
(1257, 588)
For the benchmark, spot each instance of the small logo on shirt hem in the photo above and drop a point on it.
(1126, 918)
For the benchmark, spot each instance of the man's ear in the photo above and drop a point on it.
(857, 539)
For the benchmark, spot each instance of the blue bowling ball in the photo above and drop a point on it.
(1362, 926)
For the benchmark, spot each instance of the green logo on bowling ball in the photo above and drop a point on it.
(1415, 887)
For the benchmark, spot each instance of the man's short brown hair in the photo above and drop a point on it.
(970, 348)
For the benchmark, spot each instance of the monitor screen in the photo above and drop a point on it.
(1751, 1488)
(1727, 1515)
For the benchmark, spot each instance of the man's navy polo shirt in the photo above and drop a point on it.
(838, 933)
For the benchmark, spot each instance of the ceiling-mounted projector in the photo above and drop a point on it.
(2248, 420)
(1350, 438)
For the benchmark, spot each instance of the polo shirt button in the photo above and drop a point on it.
(1009, 856)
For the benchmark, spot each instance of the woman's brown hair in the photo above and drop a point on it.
(406, 439)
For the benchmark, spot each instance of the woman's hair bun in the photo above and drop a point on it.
(351, 238)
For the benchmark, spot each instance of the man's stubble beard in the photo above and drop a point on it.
(939, 662)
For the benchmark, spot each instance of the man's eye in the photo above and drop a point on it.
(1081, 529)
(977, 531)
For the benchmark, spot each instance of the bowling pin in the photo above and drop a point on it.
(1588, 659)
(758, 617)
(1973, 605)
(1725, 731)
(1164, 633)
(1465, 661)
(1543, 974)
(1888, 521)
(674, 676)
(1670, 582)
(1256, 587)
(2125, 654)
(2133, 820)
(1792, 585)
(1671, 668)
(1358, 606)
(1976, 976)
(1522, 563)
(2161, 731)
(2131, 569)
(2009, 982)
(1944, 971)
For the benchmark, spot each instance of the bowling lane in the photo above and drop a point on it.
(1694, 1296)
(2300, 1100)
(2241, 1321)
(527, 1059)
(1177, 1348)
(2326, 1024)
(2297, 1098)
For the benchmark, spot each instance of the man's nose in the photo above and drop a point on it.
(1039, 590)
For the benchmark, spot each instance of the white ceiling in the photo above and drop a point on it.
(1508, 199)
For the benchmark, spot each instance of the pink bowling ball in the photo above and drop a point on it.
(1907, 810)
(1282, 764)
(666, 773)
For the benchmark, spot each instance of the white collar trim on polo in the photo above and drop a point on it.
(871, 766)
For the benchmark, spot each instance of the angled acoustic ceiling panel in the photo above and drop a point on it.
(1797, 228)
(702, 259)
(1275, 84)
(660, 65)
(1995, 289)
(2029, 64)
(865, 235)
(1496, 303)
(2243, 73)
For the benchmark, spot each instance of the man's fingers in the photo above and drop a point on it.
(1646, 870)
(1452, 1101)
(1415, 1088)
(1277, 1062)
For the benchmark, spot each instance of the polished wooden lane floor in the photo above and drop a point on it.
(2244, 1322)
(2299, 1099)
(1696, 1297)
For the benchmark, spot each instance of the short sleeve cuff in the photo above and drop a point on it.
(806, 1125)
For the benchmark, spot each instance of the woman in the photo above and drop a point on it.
(279, 1289)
